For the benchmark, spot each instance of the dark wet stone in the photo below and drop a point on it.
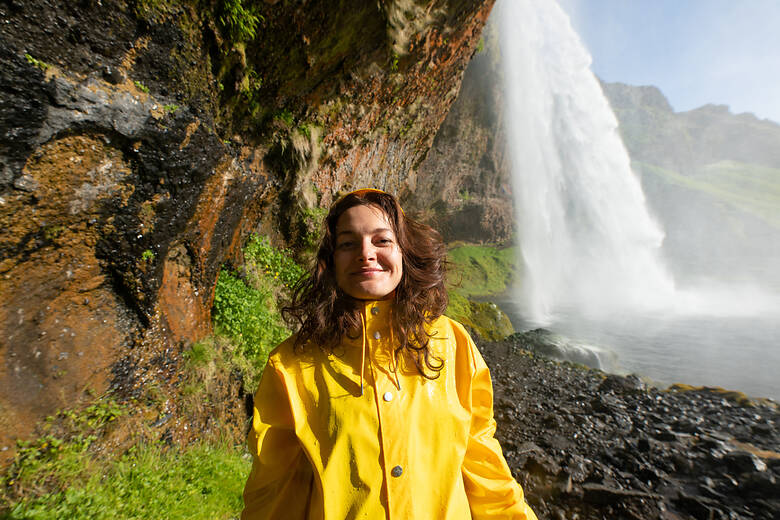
(743, 462)
(762, 483)
(600, 494)
(621, 384)
(113, 75)
(649, 454)
(699, 507)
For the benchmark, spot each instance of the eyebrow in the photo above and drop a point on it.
(373, 231)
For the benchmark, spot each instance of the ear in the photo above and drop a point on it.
(322, 266)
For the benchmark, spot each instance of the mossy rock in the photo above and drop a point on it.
(485, 319)
(733, 396)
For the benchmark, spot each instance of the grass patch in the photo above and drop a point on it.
(480, 271)
(149, 481)
(751, 188)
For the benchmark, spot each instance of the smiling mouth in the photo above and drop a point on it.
(368, 272)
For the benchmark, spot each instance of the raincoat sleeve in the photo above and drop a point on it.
(492, 491)
(281, 480)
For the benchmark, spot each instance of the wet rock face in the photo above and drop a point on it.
(590, 446)
(141, 142)
(465, 180)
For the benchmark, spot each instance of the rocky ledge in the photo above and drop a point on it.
(588, 445)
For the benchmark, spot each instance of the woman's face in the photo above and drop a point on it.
(367, 260)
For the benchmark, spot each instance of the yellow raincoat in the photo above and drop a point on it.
(403, 447)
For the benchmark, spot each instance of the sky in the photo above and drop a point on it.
(725, 52)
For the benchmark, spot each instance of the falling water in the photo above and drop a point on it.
(586, 236)
(591, 250)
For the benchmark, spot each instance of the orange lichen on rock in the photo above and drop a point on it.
(60, 323)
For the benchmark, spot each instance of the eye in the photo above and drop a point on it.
(384, 241)
(345, 245)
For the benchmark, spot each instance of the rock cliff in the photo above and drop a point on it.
(141, 141)
(465, 177)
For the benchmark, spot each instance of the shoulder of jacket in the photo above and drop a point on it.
(283, 353)
(447, 323)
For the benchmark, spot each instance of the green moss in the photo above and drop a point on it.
(734, 396)
(482, 270)
(140, 86)
(484, 318)
(37, 63)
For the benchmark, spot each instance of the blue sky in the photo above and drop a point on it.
(696, 51)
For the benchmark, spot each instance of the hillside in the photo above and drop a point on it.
(711, 177)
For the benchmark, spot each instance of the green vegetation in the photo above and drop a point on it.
(272, 262)
(171, 108)
(240, 20)
(465, 195)
(245, 307)
(154, 10)
(147, 255)
(480, 271)
(140, 86)
(312, 219)
(149, 481)
(751, 188)
(394, 62)
(284, 116)
(37, 63)
(52, 232)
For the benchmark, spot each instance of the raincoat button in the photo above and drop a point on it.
(374, 310)
(388, 396)
(377, 335)
(397, 471)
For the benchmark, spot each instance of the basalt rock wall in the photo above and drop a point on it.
(465, 179)
(142, 141)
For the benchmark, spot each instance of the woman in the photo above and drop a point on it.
(380, 406)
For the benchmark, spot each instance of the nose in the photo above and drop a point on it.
(367, 251)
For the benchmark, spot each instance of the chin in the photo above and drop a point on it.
(370, 294)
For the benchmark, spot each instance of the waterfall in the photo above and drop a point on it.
(588, 241)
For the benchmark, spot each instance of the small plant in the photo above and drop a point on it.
(240, 21)
(248, 316)
(147, 256)
(285, 116)
(275, 263)
(465, 195)
(140, 86)
(50, 233)
(394, 62)
(37, 63)
(171, 108)
(481, 45)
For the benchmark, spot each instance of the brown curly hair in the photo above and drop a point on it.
(325, 314)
